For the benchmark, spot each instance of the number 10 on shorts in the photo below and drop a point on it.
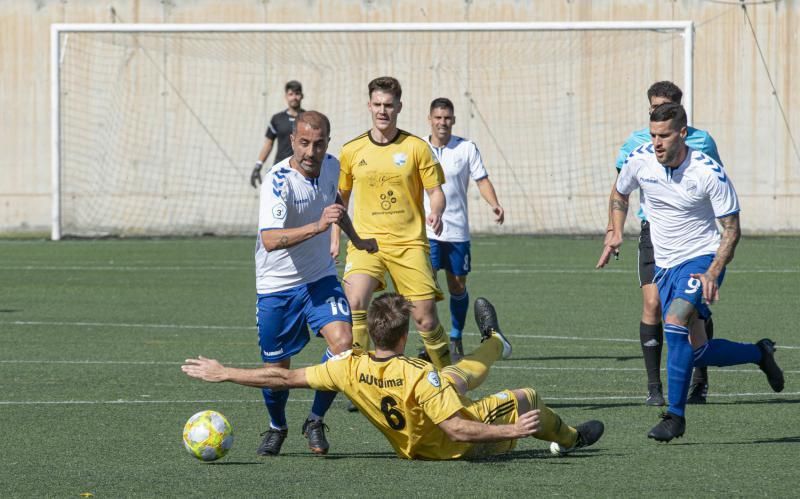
(339, 306)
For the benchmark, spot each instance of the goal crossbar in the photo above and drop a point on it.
(56, 49)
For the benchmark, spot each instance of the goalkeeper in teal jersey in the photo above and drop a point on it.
(651, 333)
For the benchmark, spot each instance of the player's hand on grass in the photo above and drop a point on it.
(611, 246)
(255, 177)
(369, 245)
(710, 287)
(205, 369)
(499, 214)
(528, 424)
(434, 220)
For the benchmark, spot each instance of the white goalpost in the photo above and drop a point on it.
(155, 127)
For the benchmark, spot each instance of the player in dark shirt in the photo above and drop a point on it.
(280, 127)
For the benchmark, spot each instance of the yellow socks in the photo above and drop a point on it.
(552, 428)
(360, 334)
(437, 344)
(474, 368)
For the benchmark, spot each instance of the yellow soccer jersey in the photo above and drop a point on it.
(387, 181)
(403, 397)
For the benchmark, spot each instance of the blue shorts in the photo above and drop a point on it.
(452, 257)
(284, 317)
(678, 282)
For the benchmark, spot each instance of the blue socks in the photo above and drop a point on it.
(681, 359)
(679, 367)
(322, 400)
(459, 305)
(719, 352)
(276, 405)
(276, 402)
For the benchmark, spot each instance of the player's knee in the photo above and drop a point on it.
(426, 323)
(527, 399)
(680, 312)
(651, 306)
(456, 288)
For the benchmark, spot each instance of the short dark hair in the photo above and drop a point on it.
(442, 103)
(669, 111)
(665, 89)
(293, 85)
(386, 84)
(314, 119)
(387, 319)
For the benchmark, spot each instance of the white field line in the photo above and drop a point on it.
(499, 268)
(252, 328)
(504, 366)
(259, 401)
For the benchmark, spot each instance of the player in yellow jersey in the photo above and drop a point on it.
(387, 171)
(423, 412)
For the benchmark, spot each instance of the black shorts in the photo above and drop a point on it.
(647, 260)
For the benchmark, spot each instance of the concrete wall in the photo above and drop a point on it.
(734, 98)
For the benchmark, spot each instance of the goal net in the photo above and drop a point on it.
(158, 127)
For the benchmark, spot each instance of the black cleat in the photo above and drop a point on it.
(588, 433)
(655, 395)
(273, 440)
(486, 317)
(423, 354)
(698, 393)
(768, 364)
(456, 350)
(671, 426)
(314, 431)
(351, 407)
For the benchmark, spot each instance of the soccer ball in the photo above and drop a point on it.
(207, 435)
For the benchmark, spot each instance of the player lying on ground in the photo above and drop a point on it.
(423, 413)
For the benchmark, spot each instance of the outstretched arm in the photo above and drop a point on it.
(460, 429)
(731, 233)
(486, 189)
(262, 377)
(618, 209)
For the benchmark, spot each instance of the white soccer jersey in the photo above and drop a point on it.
(288, 200)
(682, 204)
(460, 160)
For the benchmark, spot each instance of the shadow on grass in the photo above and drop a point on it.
(595, 405)
(576, 357)
(778, 440)
(535, 454)
(9, 310)
(770, 401)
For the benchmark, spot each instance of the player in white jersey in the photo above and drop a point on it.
(295, 272)
(651, 331)
(450, 250)
(686, 193)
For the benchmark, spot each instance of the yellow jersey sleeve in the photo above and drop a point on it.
(430, 171)
(345, 170)
(331, 375)
(438, 400)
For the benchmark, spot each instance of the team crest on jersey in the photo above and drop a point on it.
(433, 379)
(279, 211)
(399, 159)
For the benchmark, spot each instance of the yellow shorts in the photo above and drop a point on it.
(409, 267)
(500, 408)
